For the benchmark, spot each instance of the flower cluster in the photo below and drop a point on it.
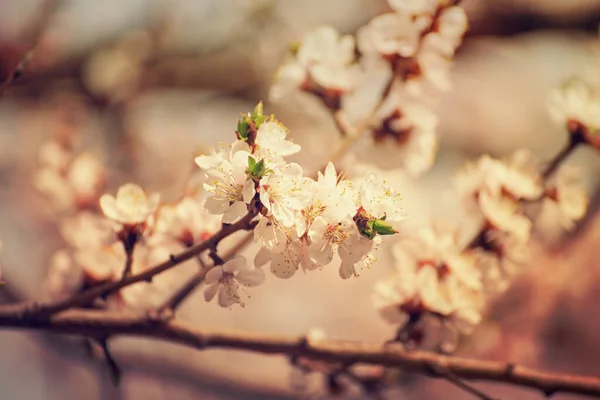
(437, 274)
(131, 226)
(302, 222)
(432, 274)
(410, 48)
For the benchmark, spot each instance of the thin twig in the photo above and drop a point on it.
(111, 323)
(42, 21)
(113, 367)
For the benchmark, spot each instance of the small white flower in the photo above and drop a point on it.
(282, 193)
(451, 24)
(432, 274)
(230, 188)
(567, 201)
(271, 144)
(380, 200)
(186, 221)
(86, 175)
(392, 34)
(226, 280)
(328, 57)
(341, 237)
(504, 214)
(576, 101)
(411, 127)
(512, 178)
(332, 198)
(131, 206)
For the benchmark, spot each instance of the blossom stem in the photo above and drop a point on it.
(559, 158)
(111, 323)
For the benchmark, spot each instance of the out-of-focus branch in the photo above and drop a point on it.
(106, 323)
(39, 26)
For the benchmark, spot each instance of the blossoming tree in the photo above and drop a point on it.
(130, 260)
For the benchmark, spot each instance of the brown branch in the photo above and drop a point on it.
(81, 299)
(94, 323)
(167, 309)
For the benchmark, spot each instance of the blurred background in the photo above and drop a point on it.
(149, 84)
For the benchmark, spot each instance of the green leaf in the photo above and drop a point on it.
(259, 169)
(242, 128)
(258, 110)
(251, 164)
(382, 227)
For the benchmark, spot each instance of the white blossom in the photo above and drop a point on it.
(342, 237)
(281, 193)
(330, 197)
(432, 275)
(131, 206)
(323, 57)
(186, 221)
(567, 201)
(392, 34)
(327, 56)
(225, 280)
(271, 143)
(230, 188)
(381, 201)
(576, 101)
(511, 177)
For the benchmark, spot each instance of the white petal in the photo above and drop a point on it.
(262, 257)
(282, 266)
(347, 270)
(235, 264)
(236, 211)
(248, 191)
(250, 276)
(321, 252)
(216, 205)
(214, 275)
(211, 291)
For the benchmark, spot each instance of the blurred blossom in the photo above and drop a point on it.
(565, 203)
(186, 221)
(576, 101)
(131, 206)
(432, 275)
(64, 276)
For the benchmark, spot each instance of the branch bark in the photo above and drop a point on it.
(93, 323)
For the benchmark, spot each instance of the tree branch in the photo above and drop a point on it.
(93, 323)
(81, 299)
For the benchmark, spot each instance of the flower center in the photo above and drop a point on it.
(335, 234)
